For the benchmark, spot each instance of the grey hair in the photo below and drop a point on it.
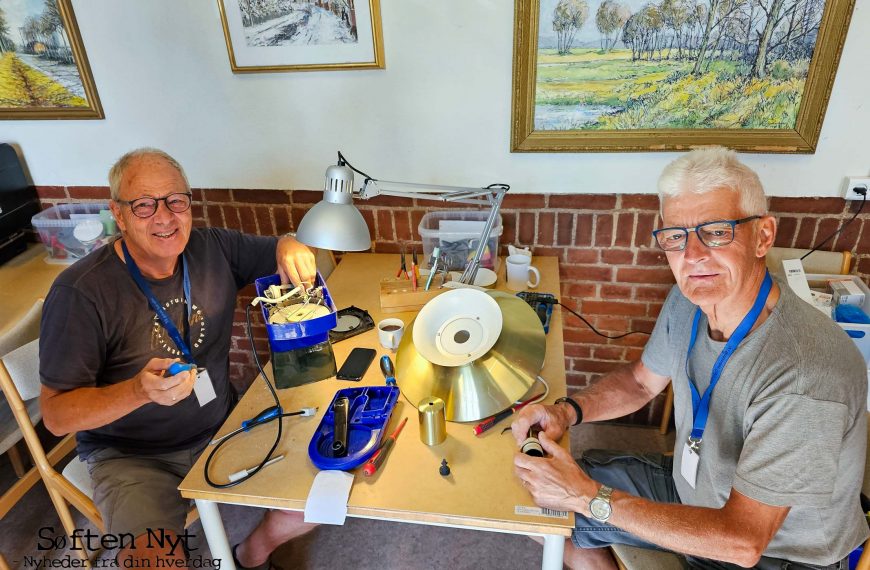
(713, 168)
(116, 173)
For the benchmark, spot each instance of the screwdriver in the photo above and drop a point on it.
(178, 367)
(266, 415)
(389, 370)
(380, 455)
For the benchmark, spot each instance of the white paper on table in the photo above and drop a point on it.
(327, 499)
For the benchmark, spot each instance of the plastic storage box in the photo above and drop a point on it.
(71, 231)
(457, 233)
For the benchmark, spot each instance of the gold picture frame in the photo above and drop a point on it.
(801, 137)
(45, 64)
(256, 44)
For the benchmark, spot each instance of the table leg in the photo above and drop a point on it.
(554, 552)
(215, 533)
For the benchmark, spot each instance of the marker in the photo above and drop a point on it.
(245, 472)
(376, 460)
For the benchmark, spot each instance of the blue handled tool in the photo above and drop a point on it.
(178, 367)
(266, 415)
(389, 370)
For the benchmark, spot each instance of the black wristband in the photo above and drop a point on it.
(574, 405)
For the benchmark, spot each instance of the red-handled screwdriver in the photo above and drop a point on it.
(376, 460)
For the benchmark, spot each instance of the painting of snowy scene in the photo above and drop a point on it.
(283, 35)
(715, 66)
(43, 69)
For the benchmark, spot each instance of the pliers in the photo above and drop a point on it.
(403, 269)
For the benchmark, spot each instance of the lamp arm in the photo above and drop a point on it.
(495, 199)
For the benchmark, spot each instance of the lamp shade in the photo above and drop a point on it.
(334, 222)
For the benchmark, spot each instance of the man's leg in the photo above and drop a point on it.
(276, 528)
(138, 499)
(644, 475)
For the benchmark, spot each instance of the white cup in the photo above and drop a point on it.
(519, 269)
(390, 333)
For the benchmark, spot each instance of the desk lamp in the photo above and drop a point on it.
(335, 223)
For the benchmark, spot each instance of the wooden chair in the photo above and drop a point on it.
(19, 381)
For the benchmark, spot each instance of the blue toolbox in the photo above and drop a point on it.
(352, 427)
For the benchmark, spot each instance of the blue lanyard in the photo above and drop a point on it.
(183, 344)
(701, 405)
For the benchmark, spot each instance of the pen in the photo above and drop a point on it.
(380, 455)
(245, 472)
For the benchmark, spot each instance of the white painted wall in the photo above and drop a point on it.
(440, 112)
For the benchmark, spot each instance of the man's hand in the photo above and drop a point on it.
(553, 420)
(295, 262)
(150, 383)
(555, 482)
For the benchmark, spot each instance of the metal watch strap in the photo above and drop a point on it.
(573, 404)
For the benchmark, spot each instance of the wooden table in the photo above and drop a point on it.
(23, 280)
(480, 493)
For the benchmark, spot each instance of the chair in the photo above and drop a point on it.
(19, 381)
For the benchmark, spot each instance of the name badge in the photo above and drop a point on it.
(203, 388)
(689, 465)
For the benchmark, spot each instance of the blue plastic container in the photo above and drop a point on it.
(288, 336)
(369, 414)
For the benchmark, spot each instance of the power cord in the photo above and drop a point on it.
(268, 415)
(596, 331)
(858, 190)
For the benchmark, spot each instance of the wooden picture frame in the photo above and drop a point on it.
(648, 116)
(305, 35)
(44, 71)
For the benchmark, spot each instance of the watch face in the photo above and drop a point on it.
(600, 509)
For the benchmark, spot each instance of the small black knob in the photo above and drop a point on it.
(444, 469)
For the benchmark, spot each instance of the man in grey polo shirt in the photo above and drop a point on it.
(769, 398)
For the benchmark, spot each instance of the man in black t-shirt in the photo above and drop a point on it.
(109, 335)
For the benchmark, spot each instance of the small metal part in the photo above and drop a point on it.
(339, 438)
(433, 425)
(531, 446)
(444, 470)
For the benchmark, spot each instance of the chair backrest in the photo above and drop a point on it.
(830, 262)
(22, 364)
(325, 261)
(24, 331)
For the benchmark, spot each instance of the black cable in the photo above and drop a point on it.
(843, 227)
(343, 161)
(278, 417)
(596, 331)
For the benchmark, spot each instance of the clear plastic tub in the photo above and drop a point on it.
(457, 233)
(71, 231)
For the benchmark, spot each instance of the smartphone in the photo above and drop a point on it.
(354, 368)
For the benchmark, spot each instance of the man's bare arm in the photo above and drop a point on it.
(621, 392)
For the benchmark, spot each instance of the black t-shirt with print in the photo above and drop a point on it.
(98, 329)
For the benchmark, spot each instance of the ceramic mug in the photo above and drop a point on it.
(390, 333)
(519, 268)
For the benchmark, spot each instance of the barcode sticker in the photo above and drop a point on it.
(540, 512)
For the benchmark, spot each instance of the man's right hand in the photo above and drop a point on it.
(164, 390)
(553, 421)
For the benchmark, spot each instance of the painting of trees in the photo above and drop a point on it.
(569, 16)
(610, 18)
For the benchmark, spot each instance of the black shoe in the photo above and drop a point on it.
(264, 566)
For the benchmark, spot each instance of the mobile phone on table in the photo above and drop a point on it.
(354, 368)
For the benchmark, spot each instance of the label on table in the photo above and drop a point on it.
(540, 512)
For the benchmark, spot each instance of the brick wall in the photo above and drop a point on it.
(610, 271)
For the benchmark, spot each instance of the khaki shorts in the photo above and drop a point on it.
(135, 493)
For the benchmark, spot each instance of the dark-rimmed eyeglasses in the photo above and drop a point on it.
(147, 206)
(711, 234)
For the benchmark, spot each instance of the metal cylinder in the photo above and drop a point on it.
(433, 424)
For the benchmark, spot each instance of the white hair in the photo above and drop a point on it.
(713, 168)
(120, 167)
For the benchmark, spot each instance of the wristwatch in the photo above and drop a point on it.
(571, 402)
(600, 504)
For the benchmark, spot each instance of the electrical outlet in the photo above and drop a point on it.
(857, 181)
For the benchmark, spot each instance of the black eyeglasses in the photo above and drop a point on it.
(711, 234)
(147, 206)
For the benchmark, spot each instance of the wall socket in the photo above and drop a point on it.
(852, 182)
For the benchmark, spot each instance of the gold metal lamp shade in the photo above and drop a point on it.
(486, 385)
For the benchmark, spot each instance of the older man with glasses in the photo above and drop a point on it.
(112, 325)
(769, 400)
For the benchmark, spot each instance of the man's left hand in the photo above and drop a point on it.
(555, 482)
(295, 262)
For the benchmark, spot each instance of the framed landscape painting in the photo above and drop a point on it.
(630, 75)
(44, 72)
(302, 35)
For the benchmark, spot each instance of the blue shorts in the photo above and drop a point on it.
(649, 475)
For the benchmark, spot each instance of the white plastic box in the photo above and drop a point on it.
(457, 233)
(71, 231)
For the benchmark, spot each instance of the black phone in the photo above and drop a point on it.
(354, 368)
